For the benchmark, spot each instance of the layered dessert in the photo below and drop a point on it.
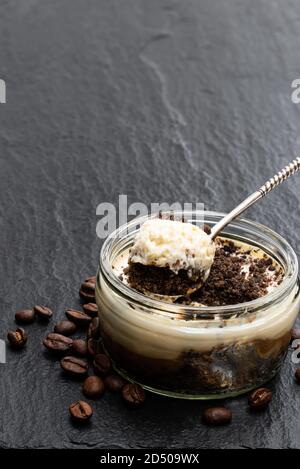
(187, 334)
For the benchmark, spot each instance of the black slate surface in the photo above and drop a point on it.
(162, 101)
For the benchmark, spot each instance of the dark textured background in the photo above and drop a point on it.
(161, 100)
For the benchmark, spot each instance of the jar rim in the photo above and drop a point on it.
(121, 233)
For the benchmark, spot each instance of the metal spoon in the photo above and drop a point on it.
(267, 187)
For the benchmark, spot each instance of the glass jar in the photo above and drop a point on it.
(197, 352)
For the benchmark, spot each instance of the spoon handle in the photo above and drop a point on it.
(268, 186)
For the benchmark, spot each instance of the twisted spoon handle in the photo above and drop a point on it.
(285, 173)
(268, 186)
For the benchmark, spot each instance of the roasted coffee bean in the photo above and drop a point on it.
(78, 317)
(102, 364)
(43, 312)
(88, 287)
(65, 328)
(25, 316)
(94, 329)
(57, 342)
(79, 347)
(133, 394)
(207, 229)
(92, 279)
(74, 365)
(216, 416)
(17, 338)
(260, 398)
(94, 347)
(296, 333)
(114, 382)
(87, 296)
(91, 309)
(81, 411)
(93, 387)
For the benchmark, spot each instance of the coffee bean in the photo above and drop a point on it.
(133, 394)
(17, 338)
(79, 347)
(93, 387)
(88, 287)
(260, 398)
(57, 343)
(296, 333)
(92, 279)
(75, 366)
(101, 364)
(297, 374)
(81, 411)
(78, 317)
(114, 382)
(65, 328)
(94, 347)
(91, 309)
(25, 316)
(216, 416)
(87, 296)
(43, 312)
(94, 329)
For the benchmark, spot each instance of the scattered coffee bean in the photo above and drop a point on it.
(114, 382)
(297, 375)
(91, 309)
(296, 333)
(260, 398)
(94, 329)
(17, 338)
(43, 312)
(81, 411)
(65, 328)
(216, 416)
(101, 364)
(94, 347)
(92, 279)
(207, 229)
(25, 316)
(74, 365)
(133, 394)
(57, 343)
(87, 296)
(93, 387)
(79, 347)
(78, 317)
(88, 287)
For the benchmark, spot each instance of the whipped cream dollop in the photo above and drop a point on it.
(173, 244)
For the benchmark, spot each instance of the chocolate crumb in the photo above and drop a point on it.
(227, 284)
(207, 229)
